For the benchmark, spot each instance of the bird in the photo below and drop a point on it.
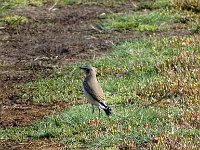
(93, 91)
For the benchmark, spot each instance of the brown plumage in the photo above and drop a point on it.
(93, 90)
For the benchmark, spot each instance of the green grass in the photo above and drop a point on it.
(25, 2)
(77, 127)
(153, 4)
(14, 20)
(141, 21)
(133, 75)
(10, 5)
(130, 67)
(132, 71)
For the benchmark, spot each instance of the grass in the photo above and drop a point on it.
(141, 21)
(9, 5)
(15, 20)
(135, 74)
(163, 15)
(25, 2)
(153, 4)
(128, 123)
(67, 87)
(193, 5)
(126, 70)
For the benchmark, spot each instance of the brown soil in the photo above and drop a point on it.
(44, 144)
(66, 34)
(21, 114)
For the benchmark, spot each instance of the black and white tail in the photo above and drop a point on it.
(107, 110)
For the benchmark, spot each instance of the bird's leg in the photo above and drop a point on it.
(99, 112)
(92, 108)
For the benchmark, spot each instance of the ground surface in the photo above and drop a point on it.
(66, 34)
(70, 36)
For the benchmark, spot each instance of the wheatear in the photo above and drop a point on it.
(93, 91)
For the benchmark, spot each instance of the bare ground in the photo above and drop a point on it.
(44, 144)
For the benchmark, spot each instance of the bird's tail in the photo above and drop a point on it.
(107, 110)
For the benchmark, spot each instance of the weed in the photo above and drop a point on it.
(15, 20)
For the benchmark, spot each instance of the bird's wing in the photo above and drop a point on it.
(95, 91)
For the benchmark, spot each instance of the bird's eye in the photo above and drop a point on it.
(87, 70)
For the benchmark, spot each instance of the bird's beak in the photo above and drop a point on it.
(82, 68)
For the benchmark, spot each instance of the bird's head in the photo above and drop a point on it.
(89, 70)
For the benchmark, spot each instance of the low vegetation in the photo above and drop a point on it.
(152, 84)
(156, 20)
(142, 21)
(9, 5)
(15, 20)
(131, 126)
(192, 5)
(135, 75)
(153, 4)
(130, 67)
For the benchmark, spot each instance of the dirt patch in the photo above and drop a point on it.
(21, 114)
(41, 144)
(67, 33)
